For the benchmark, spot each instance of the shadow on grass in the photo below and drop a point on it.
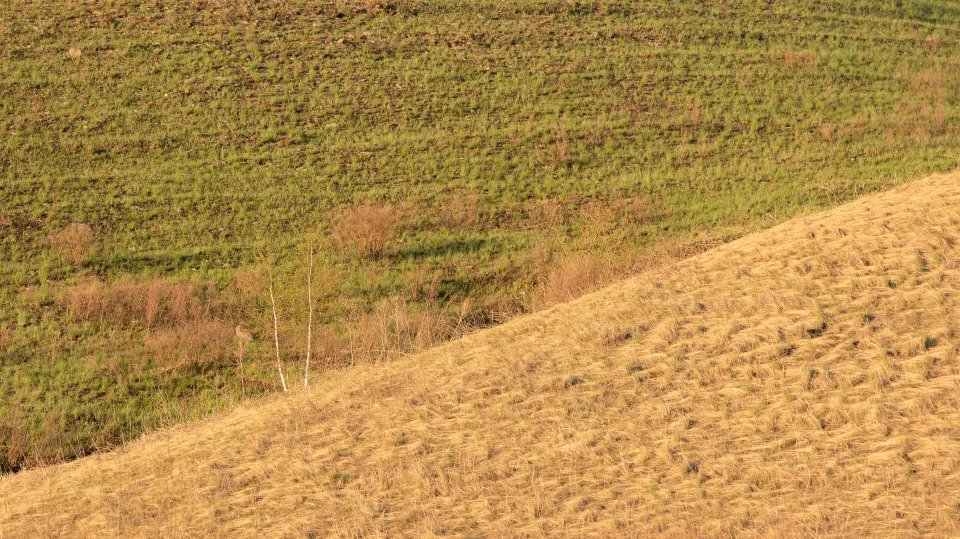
(443, 248)
(166, 261)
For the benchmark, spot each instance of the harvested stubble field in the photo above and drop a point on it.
(454, 164)
(801, 381)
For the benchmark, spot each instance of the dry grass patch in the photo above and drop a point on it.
(250, 283)
(933, 43)
(827, 132)
(922, 113)
(15, 442)
(395, 327)
(799, 59)
(199, 342)
(569, 277)
(147, 303)
(75, 243)
(366, 230)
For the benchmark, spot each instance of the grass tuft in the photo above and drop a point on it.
(366, 230)
(74, 243)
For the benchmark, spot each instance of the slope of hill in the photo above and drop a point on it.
(153, 147)
(799, 381)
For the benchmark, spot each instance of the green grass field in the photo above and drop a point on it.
(202, 140)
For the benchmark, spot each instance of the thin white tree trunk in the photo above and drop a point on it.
(306, 365)
(276, 334)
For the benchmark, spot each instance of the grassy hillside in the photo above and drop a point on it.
(797, 382)
(157, 157)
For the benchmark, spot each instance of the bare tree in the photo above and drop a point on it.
(306, 364)
(276, 333)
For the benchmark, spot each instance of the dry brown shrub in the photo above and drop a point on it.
(366, 230)
(635, 209)
(424, 284)
(151, 303)
(250, 283)
(328, 348)
(15, 443)
(194, 343)
(74, 243)
(921, 113)
(827, 132)
(570, 277)
(799, 59)
(496, 310)
(24, 445)
(929, 83)
(332, 347)
(243, 298)
(395, 327)
(933, 43)
(935, 116)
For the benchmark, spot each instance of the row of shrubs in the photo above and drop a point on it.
(364, 230)
(368, 230)
(188, 323)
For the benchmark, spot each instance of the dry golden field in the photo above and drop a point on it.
(802, 381)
